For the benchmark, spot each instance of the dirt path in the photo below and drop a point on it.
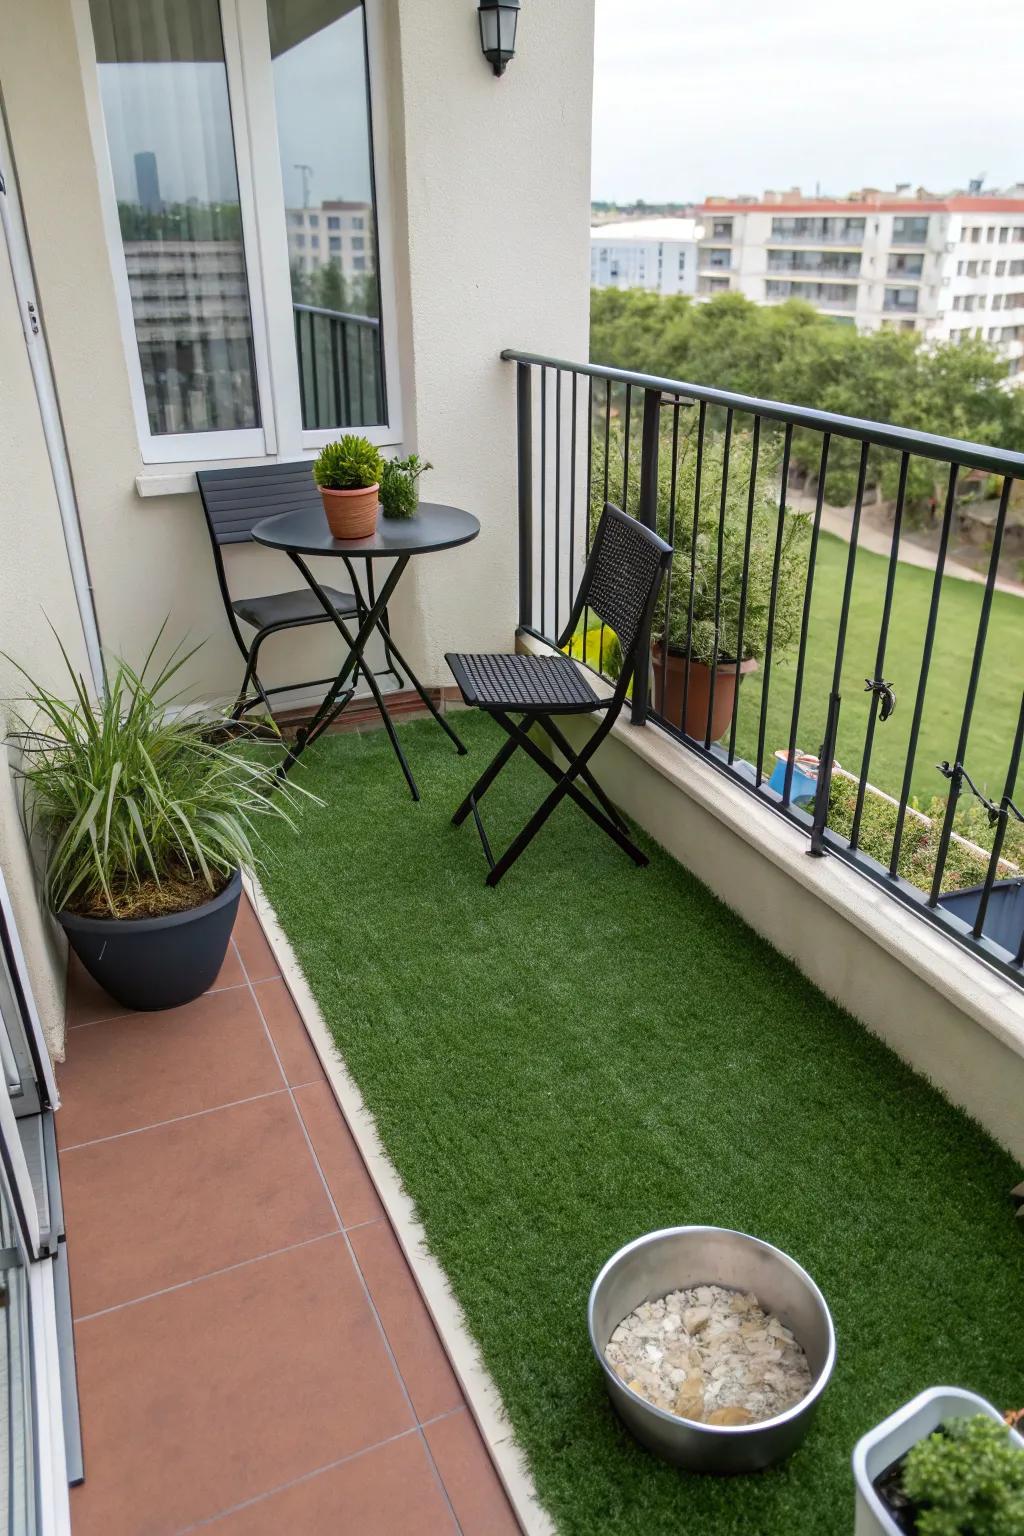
(837, 520)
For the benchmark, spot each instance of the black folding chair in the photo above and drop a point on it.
(620, 584)
(234, 500)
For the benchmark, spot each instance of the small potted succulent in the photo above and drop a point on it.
(945, 1464)
(348, 473)
(146, 817)
(399, 489)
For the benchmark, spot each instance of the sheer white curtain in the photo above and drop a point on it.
(165, 102)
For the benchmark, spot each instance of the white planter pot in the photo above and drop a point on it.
(891, 1439)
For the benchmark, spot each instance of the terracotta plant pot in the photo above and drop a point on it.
(351, 514)
(669, 687)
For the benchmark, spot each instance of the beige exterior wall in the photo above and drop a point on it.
(35, 585)
(490, 187)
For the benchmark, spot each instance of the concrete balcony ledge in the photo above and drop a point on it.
(945, 1012)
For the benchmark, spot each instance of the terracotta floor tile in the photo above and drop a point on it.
(480, 1503)
(195, 1401)
(298, 1058)
(87, 1001)
(343, 1168)
(257, 956)
(146, 1067)
(166, 1205)
(410, 1330)
(390, 1491)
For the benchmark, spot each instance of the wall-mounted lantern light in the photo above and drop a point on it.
(498, 20)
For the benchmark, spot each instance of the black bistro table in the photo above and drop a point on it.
(305, 533)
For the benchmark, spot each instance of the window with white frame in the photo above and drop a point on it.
(227, 130)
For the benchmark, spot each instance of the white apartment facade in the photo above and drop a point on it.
(657, 254)
(950, 268)
(333, 231)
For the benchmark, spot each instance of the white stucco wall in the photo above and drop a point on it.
(490, 183)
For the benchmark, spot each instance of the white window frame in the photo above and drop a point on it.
(246, 34)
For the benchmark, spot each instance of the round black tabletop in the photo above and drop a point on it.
(434, 527)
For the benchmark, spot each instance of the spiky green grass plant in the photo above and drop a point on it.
(136, 800)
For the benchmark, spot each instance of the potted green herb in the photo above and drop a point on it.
(945, 1464)
(693, 638)
(348, 473)
(146, 817)
(399, 490)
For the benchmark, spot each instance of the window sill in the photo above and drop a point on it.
(180, 479)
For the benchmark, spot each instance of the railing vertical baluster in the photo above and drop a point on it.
(697, 472)
(823, 788)
(315, 372)
(558, 496)
(672, 500)
(590, 497)
(627, 422)
(926, 661)
(297, 313)
(336, 334)
(607, 435)
(720, 556)
(772, 600)
(572, 494)
(524, 455)
(883, 641)
(346, 377)
(647, 510)
(543, 500)
(956, 779)
(755, 444)
(1000, 832)
(805, 618)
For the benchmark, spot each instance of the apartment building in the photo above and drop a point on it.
(336, 231)
(949, 267)
(657, 254)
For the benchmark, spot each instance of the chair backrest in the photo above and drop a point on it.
(623, 575)
(234, 500)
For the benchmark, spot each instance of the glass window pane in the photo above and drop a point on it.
(164, 89)
(321, 93)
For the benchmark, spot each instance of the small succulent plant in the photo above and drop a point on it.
(350, 464)
(399, 491)
(968, 1477)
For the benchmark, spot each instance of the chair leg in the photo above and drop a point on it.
(486, 779)
(612, 811)
(251, 677)
(564, 786)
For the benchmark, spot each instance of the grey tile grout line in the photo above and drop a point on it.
(210, 1274)
(329, 1466)
(156, 1125)
(226, 1269)
(356, 1265)
(236, 986)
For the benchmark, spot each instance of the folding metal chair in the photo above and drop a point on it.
(620, 584)
(234, 500)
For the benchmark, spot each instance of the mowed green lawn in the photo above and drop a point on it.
(999, 692)
(593, 1051)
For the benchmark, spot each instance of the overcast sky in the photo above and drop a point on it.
(739, 96)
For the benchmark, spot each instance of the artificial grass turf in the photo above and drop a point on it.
(592, 1051)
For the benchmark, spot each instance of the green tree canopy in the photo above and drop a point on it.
(791, 353)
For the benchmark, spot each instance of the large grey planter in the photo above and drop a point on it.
(891, 1439)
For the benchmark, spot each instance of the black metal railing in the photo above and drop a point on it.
(341, 378)
(753, 584)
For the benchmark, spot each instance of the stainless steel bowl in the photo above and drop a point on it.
(675, 1259)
